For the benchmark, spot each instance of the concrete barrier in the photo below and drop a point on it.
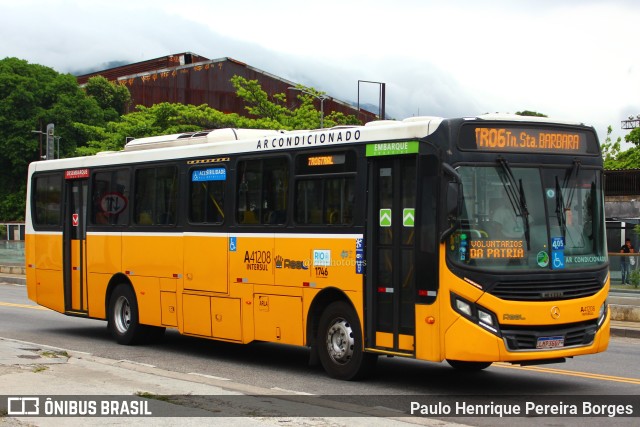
(12, 269)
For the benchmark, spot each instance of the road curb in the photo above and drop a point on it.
(14, 279)
(624, 332)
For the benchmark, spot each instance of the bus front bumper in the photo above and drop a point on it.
(466, 341)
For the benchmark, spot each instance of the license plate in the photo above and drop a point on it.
(550, 342)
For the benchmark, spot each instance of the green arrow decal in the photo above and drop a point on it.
(408, 217)
(385, 217)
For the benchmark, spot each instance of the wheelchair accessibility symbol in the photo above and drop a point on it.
(232, 244)
(557, 260)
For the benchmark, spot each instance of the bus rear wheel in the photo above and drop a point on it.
(340, 344)
(468, 366)
(123, 319)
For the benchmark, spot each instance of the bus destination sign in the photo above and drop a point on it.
(326, 160)
(532, 140)
(76, 173)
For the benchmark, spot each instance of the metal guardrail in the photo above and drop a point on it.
(12, 252)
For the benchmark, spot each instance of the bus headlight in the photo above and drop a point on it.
(463, 307)
(603, 312)
(485, 317)
(475, 313)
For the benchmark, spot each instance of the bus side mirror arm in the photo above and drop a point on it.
(453, 200)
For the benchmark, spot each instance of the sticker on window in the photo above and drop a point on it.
(209, 174)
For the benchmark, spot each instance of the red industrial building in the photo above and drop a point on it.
(188, 78)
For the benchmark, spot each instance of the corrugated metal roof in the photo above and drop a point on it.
(188, 78)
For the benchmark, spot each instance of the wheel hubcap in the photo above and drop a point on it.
(340, 341)
(122, 315)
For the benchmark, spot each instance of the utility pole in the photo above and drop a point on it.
(322, 98)
(49, 142)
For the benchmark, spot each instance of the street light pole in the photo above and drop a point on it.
(322, 98)
(57, 138)
(381, 97)
(41, 133)
(51, 142)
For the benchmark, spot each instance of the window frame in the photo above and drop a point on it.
(241, 199)
(225, 191)
(34, 201)
(136, 212)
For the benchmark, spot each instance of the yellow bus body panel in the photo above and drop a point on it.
(97, 290)
(196, 315)
(169, 316)
(30, 266)
(152, 255)
(428, 338)
(226, 318)
(104, 253)
(48, 271)
(205, 263)
(147, 291)
(78, 295)
(253, 259)
(278, 319)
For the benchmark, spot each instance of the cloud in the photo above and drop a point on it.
(569, 59)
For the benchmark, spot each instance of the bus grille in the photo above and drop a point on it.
(546, 291)
(526, 338)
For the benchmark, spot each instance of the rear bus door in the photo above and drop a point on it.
(74, 241)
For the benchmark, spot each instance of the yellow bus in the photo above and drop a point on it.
(471, 240)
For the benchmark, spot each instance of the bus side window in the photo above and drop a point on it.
(48, 200)
(263, 187)
(156, 196)
(321, 201)
(206, 195)
(110, 198)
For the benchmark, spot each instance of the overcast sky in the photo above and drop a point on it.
(569, 59)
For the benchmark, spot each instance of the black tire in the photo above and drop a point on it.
(468, 366)
(123, 319)
(340, 346)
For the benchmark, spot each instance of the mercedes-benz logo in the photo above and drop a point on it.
(555, 312)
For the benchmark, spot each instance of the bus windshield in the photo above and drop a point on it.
(524, 218)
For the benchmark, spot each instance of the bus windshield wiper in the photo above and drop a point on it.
(525, 215)
(569, 183)
(516, 196)
(561, 212)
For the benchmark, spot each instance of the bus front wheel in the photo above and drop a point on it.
(468, 366)
(340, 345)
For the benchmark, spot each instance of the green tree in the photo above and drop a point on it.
(613, 155)
(167, 118)
(633, 137)
(31, 96)
(113, 99)
(530, 113)
(164, 118)
(258, 102)
(305, 116)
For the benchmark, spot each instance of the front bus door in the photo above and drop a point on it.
(391, 237)
(74, 240)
